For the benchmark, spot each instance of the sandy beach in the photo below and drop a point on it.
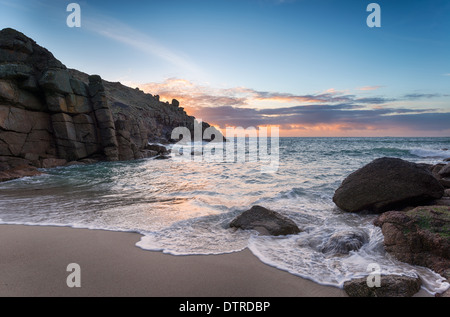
(34, 260)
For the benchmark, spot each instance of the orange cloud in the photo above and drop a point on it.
(327, 114)
(369, 88)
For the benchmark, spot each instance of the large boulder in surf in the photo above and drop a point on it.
(265, 221)
(386, 184)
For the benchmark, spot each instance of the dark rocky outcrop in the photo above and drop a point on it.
(387, 184)
(51, 114)
(420, 236)
(265, 221)
(390, 286)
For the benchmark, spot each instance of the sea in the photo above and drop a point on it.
(185, 207)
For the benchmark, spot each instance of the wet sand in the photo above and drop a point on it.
(34, 260)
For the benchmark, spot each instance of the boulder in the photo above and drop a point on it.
(95, 85)
(63, 127)
(162, 157)
(444, 201)
(78, 87)
(435, 169)
(19, 172)
(265, 221)
(53, 162)
(390, 286)
(56, 102)
(420, 236)
(447, 159)
(445, 171)
(15, 71)
(345, 241)
(7, 90)
(160, 149)
(447, 192)
(77, 104)
(16, 119)
(386, 184)
(14, 141)
(445, 182)
(56, 80)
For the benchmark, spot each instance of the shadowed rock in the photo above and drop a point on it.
(386, 184)
(265, 221)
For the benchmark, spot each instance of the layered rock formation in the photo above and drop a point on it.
(51, 115)
(420, 236)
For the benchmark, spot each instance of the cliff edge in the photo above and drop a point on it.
(51, 115)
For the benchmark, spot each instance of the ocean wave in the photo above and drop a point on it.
(430, 153)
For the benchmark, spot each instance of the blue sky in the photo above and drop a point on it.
(262, 55)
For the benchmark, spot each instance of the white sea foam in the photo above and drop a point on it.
(430, 153)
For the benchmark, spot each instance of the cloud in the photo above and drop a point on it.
(366, 88)
(191, 94)
(422, 96)
(374, 100)
(328, 111)
(341, 117)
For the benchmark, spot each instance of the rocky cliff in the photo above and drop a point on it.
(51, 115)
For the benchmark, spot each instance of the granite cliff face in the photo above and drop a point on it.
(51, 115)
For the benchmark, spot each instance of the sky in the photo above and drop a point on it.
(308, 67)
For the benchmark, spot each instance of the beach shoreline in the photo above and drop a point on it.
(34, 262)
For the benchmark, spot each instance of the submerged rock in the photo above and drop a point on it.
(158, 148)
(390, 286)
(386, 184)
(162, 157)
(420, 236)
(265, 221)
(345, 241)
